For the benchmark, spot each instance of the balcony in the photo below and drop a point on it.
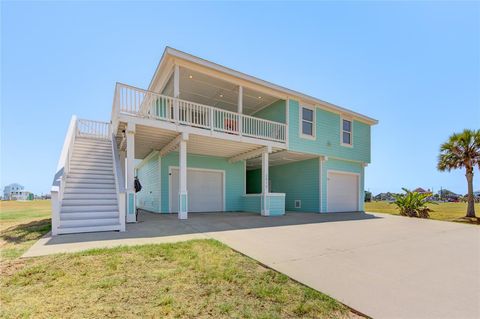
(132, 101)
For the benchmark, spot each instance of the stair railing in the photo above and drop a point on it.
(63, 168)
(119, 184)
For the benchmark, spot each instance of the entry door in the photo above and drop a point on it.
(205, 190)
(342, 192)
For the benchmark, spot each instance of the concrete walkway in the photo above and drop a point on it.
(381, 265)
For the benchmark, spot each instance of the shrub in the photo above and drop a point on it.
(413, 204)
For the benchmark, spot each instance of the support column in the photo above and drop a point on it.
(240, 110)
(265, 200)
(131, 206)
(176, 92)
(182, 184)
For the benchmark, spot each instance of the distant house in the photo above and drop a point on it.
(422, 191)
(16, 191)
(384, 196)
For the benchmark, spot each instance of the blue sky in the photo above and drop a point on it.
(413, 66)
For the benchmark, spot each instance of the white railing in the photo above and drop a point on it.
(93, 129)
(63, 168)
(138, 102)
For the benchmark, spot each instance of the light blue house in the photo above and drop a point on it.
(206, 138)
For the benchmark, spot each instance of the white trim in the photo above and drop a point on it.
(176, 54)
(320, 167)
(195, 169)
(300, 122)
(146, 159)
(342, 118)
(287, 122)
(244, 177)
(359, 175)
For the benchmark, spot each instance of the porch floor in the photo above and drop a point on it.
(154, 228)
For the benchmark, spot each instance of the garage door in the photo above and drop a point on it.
(342, 192)
(205, 190)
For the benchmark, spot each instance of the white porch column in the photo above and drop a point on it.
(240, 110)
(176, 91)
(131, 207)
(123, 156)
(182, 189)
(265, 200)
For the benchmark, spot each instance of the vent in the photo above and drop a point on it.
(298, 203)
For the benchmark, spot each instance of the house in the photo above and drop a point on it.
(16, 191)
(422, 191)
(385, 197)
(205, 138)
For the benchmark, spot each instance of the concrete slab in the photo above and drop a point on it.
(384, 266)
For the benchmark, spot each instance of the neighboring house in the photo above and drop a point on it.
(422, 191)
(16, 191)
(384, 197)
(209, 139)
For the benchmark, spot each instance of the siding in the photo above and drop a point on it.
(274, 112)
(299, 181)
(149, 175)
(338, 165)
(234, 177)
(252, 203)
(327, 140)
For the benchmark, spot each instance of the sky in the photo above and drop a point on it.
(414, 66)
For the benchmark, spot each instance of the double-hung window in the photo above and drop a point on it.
(346, 132)
(308, 122)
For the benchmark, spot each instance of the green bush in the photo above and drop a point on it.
(413, 204)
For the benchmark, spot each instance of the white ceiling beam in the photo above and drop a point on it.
(251, 154)
(173, 144)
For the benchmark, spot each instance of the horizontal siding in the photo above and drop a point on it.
(274, 112)
(234, 177)
(327, 138)
(252, 204)
(149, 176)
(277, 205)
(345, 166)
(299, 181)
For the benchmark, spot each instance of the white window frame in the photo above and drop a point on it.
(300, 121)
(342, 131)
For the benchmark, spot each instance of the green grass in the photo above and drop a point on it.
(21, 225)
(193, 279)
(443, 211)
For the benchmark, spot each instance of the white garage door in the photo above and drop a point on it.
(342, 192)
(205, 190)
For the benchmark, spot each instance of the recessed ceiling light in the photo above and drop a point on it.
(190, 76)
(221, 95)
(259, 97)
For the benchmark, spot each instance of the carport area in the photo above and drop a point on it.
(381, 265)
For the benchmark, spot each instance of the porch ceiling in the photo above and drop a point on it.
(201, 88)
(149, 138)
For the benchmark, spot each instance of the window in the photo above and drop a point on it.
(346, 132)
(308, 122)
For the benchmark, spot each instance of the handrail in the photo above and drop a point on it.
(63, 167)
(119, 183)
(139, 102)
(95, 129)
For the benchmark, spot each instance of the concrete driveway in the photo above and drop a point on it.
(381, 265)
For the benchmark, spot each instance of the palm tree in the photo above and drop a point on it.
(462, 150)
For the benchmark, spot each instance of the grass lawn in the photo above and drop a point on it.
(443, 211)
(193, 279)
(21, 224)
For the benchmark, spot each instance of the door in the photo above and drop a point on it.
(342, 192)
(204, 187)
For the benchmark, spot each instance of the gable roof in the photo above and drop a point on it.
(171, 52)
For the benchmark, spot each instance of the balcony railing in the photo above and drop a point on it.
(138, 102)
(93, 129)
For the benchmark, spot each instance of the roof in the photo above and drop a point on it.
(171, 52)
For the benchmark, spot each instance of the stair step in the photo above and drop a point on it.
(88, 215)
(87, 229)
(106, 180)
(89, 222)
(86, 190)
(91, 141)
(92, 195)
(89, 166)
(81, 159)
(90, 185)
(88, 202)
(93, 146)
(88, 208)
(91, 155)
(89, 175)
(97, 170)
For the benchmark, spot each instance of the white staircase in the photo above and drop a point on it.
(89, 200)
